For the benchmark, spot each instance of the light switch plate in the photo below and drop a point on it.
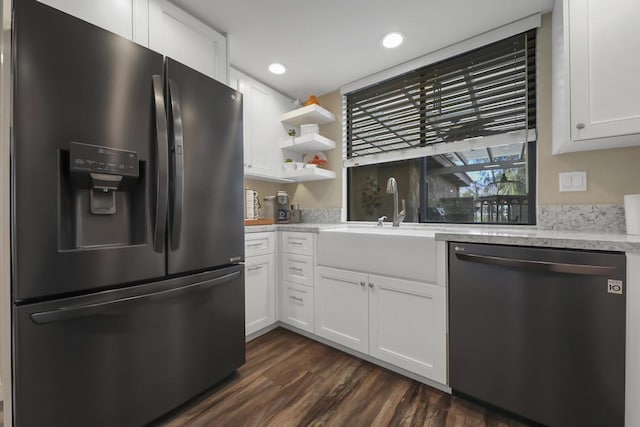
(573, 181)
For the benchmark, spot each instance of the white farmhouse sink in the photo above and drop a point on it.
(398, 252)
(385, 230)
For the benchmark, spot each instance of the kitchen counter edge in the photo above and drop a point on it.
(516, 236)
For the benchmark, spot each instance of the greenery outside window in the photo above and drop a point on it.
(458, 136)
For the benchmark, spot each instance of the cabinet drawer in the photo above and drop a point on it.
(297, 243)
(259, 244)
(297, 306)
(297, 269)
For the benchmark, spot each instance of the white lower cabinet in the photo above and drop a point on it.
(259, 287)
(407, 325)
(297, 306)
(259, 281)
(297, 268)
(341, 308)
(398, 321)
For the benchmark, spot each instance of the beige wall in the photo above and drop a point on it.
(324, 194)
(610, 173)
(264, 188)
(315, 194)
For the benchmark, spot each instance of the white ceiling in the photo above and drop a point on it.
(326, 44)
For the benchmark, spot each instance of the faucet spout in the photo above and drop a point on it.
(392, 188)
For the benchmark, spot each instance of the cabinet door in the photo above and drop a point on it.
(263, 131)
(297, 306)
(180, 36)
(407, 325)
(259, 292)
(341, 307)
(297, 268)
(604, 41)
(297, 243)
(259, 243)
(127, 18)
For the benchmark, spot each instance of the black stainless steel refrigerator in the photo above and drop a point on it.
(127, 226)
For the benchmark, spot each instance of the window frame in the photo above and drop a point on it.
(530, 137)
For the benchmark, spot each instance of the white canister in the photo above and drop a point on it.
(251, 205)
(632, 213)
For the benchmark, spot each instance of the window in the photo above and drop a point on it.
(458, 136)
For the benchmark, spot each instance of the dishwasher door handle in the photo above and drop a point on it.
(524, 264)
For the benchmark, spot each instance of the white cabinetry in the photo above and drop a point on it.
(127, 18)
(398, 321)
(407, 325)
(180, 36)
(160, 26)
(297, 272)
(259, 281)
(262, 130)
(595, 82)
(342, 307)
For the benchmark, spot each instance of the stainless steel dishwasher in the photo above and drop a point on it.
(539, 332)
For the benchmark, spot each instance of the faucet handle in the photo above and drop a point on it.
(381, 220)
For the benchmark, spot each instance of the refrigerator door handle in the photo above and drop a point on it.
(162, 155)
(107, 307)
(530, 265)
(177, 165)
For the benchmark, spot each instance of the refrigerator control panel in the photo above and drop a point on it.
(95, 158)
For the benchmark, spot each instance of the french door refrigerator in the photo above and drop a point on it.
(127, 226)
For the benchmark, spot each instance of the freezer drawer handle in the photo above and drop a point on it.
(555, 267)
(176, 174)
(162, 155)
(75, 312)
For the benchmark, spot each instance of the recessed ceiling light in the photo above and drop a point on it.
(276, 68)
(392, 40)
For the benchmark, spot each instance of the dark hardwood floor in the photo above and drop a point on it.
(290, 380)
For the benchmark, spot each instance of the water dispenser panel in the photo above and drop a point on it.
(93, 158)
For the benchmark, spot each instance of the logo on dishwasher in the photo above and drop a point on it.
(614, 286)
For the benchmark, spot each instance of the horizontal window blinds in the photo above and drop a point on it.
(487, 91)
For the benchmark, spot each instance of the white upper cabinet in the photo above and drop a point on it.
(263, 132)
(596, 86)
(180, 36)
(127, 18)
(158, 25)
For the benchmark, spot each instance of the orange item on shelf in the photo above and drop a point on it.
(312, 100)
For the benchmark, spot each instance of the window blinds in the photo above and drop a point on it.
(487, 91)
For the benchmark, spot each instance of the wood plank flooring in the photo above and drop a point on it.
(290, 380)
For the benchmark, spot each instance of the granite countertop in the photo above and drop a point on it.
(511, 235)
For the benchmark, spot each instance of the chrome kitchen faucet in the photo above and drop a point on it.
(392, 188)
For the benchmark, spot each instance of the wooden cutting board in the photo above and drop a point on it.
(258, 222)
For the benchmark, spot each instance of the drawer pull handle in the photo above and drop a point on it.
(295, 243)
(254, 244)
(257, 267)
(295, 269)
(371, 285)
(297, 299)
(580, 126)
(362, 283)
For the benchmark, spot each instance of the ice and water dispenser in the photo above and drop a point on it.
(102, 197)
